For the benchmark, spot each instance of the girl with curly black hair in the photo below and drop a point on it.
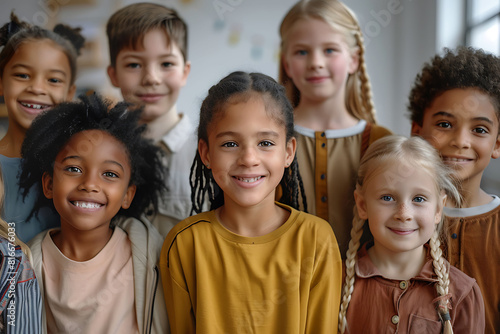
(92, 164)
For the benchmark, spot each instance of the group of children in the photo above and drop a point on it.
(102, 192)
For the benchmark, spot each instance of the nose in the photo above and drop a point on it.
(151, 76)
(249, 157)
(316, 60)
(89, 183)
(461, 139)
(37, 86)
(403, 213)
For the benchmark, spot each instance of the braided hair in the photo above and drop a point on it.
(240, 84)
(359, 97)
(418, 152)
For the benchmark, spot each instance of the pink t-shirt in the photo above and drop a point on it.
(94, 296)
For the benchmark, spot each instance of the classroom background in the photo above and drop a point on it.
(228, 35)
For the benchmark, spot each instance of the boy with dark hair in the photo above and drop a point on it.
(455, 105)
(148, 51)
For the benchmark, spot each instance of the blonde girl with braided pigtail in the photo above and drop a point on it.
(324, 72)
(399, 282)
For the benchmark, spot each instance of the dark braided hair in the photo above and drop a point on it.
(53, 129)
(16, 32)
(240, 84)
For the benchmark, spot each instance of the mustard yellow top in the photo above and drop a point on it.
(288, 281)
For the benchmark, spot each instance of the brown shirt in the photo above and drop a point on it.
(381, 305)
(473, 246)
(328, 163)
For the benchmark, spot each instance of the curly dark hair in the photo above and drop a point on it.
(464, 67)
(53, 129)
(239, 85)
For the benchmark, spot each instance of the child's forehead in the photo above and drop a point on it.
(154, 37)
(462, 103)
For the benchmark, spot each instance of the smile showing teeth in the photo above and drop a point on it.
(248, 179)
(34, 106)
(455, 159)
(87, 205)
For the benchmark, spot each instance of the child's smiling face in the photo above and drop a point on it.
(463, 126)
(91, 181)
(247, 152)
(37, 77)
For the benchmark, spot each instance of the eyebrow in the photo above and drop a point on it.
(447, 114)
(30, 68)
(76, 157)
(262, 134)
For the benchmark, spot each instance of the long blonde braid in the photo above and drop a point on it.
(350, 262)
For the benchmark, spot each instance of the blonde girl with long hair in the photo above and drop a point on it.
(323, 69)
(399, 281)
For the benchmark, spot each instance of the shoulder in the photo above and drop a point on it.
(142, 235)
(462, 285)
(189, 225)
(377, 132)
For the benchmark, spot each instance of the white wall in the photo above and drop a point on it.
(228, 35)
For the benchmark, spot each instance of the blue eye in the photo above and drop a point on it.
(387, 198)
(302, 52)
(419, 199)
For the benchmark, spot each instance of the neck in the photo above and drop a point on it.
(324, 115)
(397, 265)
(255, 221)
(81, 245)
(471, 193)
(11, 143)
(160, 126)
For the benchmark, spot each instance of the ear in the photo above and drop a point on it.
(496, 150)
(129, 196)
(415, 128)
(360, 203)
(291, 146)
(354, 65)
(71, 93)
(47, 185)
(441, 204)
(203, 150)
(112, 76)
(186, 71)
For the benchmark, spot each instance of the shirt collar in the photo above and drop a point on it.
(366, 269)
(179, 134)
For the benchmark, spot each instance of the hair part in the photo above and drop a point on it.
(464, 67)
(394, 149)
(126, 28)
(237, 87)
(359, 97)
(16, 33)
(52, 130)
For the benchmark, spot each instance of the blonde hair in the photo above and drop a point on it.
(421, 154)
(4, 227)
(358, 99)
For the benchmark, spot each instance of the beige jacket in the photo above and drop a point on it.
(149, 300)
